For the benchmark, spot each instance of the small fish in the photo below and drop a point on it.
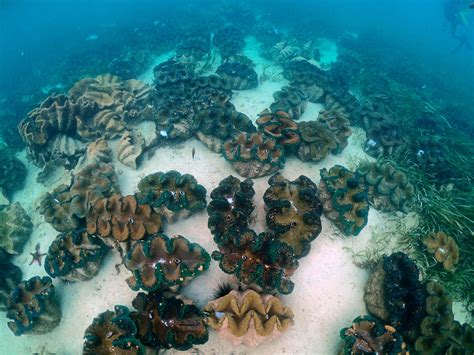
(193, 152)
(164, 134)
(92, 37)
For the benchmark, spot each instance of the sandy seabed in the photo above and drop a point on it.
(328, 291)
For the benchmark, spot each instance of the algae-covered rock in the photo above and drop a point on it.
(160, 262)
(248, 317)
(345, 199)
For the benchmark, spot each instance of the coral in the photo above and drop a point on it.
(216, 124)
(444, 248)
(75, 256)
(33, 308)
(389, 188)
(230, 208)
(129, 148)
(293, 212)
(122, 218)
(368, 335)
(66, 206)
(15, 228)
(394, 294)
(253, 155)
(290, 100)
(97, 152)
(338, 123)
(160, 262)
(280, 126)
(171, 194)
(240, 76)
(383, 139)
(229, 40)
(12, 172)
(165, 322)
(112, 332)
(10, 277)
(316, 141)
(257, 259)
(247, 317)
(345, 199)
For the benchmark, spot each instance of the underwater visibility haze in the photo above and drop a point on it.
(252, 177)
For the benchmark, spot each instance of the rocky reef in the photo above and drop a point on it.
(247, 317)
(160, 263)
(344, 196)
(389, 188)
(172, 194)
(394, 294)
(33, 308)
(112, 332)
(293, 212)
(368, 335)
(15, 228)
(75, 256)
(254, 155)
(122, 218)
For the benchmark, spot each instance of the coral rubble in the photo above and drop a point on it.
(248, 317)
(160, 262)
(345, 199)
(33, 308)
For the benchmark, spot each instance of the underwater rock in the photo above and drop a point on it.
(394, 294)
(254, 155)
(290, 100)
(444, 249)
(66, 206)
(10, 277)
(215, 125)
(389, 188)
(229, 40)
(317, 141)
(75, 256)
(383, 139)
(239, 76)
(279, 126)
(122, 218)
(129, 148)
(248, 318)
(160, 263)
(368, 335)
(258, 260)
(293, 212)
(112, 332)
(171, 194)
(230, 208)
(345, 199)
(12, 174)
(165, 321)
(15, 228)
(33, 308)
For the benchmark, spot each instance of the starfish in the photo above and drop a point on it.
(37, 255)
